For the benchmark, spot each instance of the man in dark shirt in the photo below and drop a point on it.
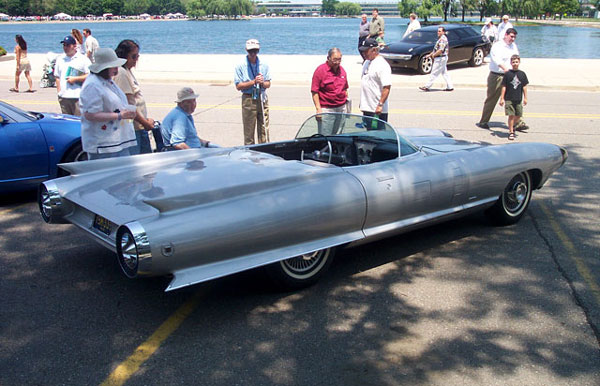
(330, 89)
(514, 94)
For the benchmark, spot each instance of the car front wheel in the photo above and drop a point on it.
(477, 57)
(300, 271)
(425, 65)
(513, 201)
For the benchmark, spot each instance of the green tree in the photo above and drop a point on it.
(328, 7)
(467, 5)
(195, 9)
(263, 10)
(347, 8)
(135, 7)
(406, 7)
(429, 8)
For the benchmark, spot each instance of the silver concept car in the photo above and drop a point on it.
(345, 179)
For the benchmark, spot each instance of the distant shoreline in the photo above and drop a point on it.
(434, 20)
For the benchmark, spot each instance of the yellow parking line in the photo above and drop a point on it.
(582, 268)
(143, 352)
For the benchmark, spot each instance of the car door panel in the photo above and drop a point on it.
(23, 152)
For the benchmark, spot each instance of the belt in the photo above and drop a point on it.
(497, 73)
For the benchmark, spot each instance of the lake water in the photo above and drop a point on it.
(304, 36)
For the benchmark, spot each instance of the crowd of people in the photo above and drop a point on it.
(99, 85)
(505, 81)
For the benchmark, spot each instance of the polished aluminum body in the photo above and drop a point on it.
(206, 213)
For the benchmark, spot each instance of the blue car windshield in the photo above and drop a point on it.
(12, 111)
(421, 37)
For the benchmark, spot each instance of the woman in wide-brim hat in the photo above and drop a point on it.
(106, 119)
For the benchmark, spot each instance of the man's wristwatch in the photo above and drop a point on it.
(380, 104)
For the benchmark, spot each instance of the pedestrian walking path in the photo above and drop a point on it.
(562, 74)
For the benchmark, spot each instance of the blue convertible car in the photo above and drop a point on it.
(32, 144)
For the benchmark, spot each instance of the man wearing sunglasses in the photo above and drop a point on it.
(252, 78)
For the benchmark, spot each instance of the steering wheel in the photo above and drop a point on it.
(317, 154)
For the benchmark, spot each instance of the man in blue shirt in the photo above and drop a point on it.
(252, 78)
(178, 129)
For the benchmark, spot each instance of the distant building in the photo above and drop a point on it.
(314, 9)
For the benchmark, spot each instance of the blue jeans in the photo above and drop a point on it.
(143, 143)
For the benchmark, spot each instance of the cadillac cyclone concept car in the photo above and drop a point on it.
(345, 179)
(466, 45)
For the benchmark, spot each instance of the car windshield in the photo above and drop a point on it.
(421, 37)
(11, 111)
(346, 124)
(353, 125)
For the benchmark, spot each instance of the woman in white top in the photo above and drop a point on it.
(106, 126)
(489, 30)
(130, 50)
(79, 39)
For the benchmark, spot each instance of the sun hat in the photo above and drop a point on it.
(105, 58)
(185, 94)
(505, 17)
(252, 44)
(488, 20)
(368, 43)
(68, 40)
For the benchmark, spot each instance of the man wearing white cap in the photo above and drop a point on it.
(252, 78)
(70, 71)
(489, 30)
(178, 129)
(504, 25)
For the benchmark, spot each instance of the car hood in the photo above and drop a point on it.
(133, 188)
(53, 117)
(406, 48)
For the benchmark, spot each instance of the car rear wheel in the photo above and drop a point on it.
(76, 154)
(477, 57)
(513, 202)
(425, 65)
(300, 271)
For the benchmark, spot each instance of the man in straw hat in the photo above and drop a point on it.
(252, 78)
(178, 129)
(106, 122)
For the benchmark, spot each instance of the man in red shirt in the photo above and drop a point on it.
(330, 90)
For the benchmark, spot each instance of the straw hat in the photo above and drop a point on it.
(105, 58)
(185, 94)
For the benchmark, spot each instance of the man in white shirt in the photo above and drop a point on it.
(500, 63)
(71, 69)
(489, 30)
(375, 83)
(503, 27)
(91, 44)
(413, 25)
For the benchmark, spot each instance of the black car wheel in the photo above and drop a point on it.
(513, 202)
(300, 271)
(75, 154)
(477, 57)
(425, 65)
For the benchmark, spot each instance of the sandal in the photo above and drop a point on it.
(423, 88)
(31, 91)
(511, 136)
(12, 89)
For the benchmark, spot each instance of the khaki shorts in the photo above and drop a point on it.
(24, 65)
(513, 108)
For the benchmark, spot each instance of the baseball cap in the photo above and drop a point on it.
(368, 43)
(68, 40)
(505, 17)
(488, 20)
(185, 94)
(252, 44)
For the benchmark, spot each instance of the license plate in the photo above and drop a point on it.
(102, 224)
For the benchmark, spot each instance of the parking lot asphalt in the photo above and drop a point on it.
(463, 303)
